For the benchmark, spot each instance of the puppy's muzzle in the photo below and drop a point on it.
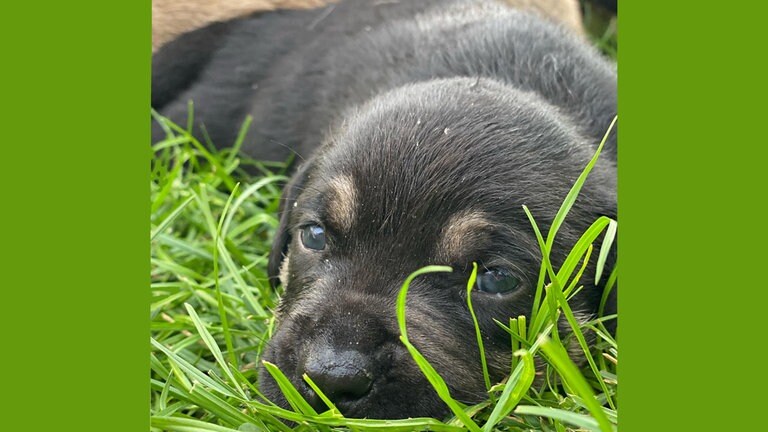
(344, 376)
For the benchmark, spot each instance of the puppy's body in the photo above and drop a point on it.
(436, 122)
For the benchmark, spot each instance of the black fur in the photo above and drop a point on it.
(431, 108)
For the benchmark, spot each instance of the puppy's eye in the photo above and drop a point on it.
(496, 281)
(313, 237)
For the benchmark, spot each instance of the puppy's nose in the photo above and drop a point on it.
(343, 376)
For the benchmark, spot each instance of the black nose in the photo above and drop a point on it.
(343, 376)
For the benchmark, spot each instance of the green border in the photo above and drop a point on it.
(75, 80)
(75, 88)
(691, 188)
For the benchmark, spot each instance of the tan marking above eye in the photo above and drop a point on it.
(342, 203)
(461, 230)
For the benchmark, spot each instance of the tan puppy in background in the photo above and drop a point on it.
(171, 18)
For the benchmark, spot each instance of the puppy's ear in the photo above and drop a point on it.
(283, 236)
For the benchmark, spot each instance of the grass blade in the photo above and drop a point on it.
(219, 298)
(516, 387)
(573, 378)
(576, 329)
(331, 406)
(570, 199)
(210, 342)
(429, 372)
(483, 362)
(167, 221)
(193, 372)
(180, 424)
(401, 297)
(295, 399)
(605, 248)
(578, 420)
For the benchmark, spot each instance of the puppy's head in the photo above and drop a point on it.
(434, 173)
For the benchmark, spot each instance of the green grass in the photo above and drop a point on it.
(211, 306)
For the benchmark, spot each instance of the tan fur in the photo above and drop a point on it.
(342, 206)
(171, 18)
(461, 229)
(283, 275)
(566, 12)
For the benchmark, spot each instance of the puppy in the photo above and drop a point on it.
(424, 126)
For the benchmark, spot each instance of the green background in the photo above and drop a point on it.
(75, 263)
(692, 237)
(75, 123)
